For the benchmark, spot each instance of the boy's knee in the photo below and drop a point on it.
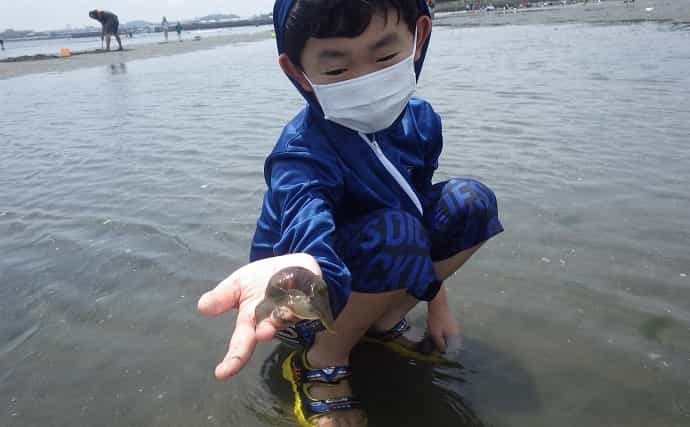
(463, 200)
(465, 216)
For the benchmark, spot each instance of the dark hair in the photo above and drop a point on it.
(338, 18)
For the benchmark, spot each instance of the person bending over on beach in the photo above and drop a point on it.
(350, 198)
(110, 26)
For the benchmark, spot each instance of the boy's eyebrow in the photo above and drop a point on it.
(336, 54)
(331, 54)
(385, 41)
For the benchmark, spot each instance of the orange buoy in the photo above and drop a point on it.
(64, 52)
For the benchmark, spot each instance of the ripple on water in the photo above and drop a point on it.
(125, 196)
(15, 341)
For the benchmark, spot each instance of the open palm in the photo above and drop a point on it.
(243, 290)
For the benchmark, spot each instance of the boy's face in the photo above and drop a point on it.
(386, 42)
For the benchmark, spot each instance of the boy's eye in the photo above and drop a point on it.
(337, 72)
(388, 58)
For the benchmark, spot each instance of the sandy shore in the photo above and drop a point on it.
(615, 11)
(95, 58)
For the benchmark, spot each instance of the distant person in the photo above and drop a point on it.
(164, 26)
(110, 26)
(2, 44)
(178, 28)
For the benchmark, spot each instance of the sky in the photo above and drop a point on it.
(57, 14)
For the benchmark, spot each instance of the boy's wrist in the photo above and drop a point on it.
(440, 301)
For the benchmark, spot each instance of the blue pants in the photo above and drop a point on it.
(389, 250)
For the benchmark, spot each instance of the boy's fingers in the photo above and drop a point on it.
(221, 299)
(439, 341)
(266, 330)
(279, 320)
(241, 348)
(283, 317)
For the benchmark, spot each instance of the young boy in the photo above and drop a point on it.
(350, 198)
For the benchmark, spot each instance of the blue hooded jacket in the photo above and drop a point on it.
(321, 175)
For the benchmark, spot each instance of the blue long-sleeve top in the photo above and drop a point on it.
(321, 175)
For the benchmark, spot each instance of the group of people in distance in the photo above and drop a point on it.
(166, 28)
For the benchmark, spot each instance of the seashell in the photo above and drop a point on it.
(296, 292)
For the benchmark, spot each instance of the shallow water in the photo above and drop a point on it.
(129, 190)
(14, 49)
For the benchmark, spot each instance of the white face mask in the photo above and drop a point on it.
(372, 102)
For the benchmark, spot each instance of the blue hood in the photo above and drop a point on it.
(321, 176)
(282, 9)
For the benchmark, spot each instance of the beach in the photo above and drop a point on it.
(132, 182)
(93, 58)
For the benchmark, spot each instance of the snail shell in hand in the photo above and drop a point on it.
(296, 293)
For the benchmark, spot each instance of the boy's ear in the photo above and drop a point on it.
(294, 72)
(423, 31)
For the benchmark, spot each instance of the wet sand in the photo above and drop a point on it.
(15, 67)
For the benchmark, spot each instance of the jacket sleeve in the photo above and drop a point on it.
(306, 189)
(431, 136)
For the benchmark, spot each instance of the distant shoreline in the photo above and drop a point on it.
(605, 12)
(36, 64)
(613, 11)
(188, 26)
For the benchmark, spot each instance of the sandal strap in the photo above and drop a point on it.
(332, 375)
(307, 408)
(301, 334)
(393, 333)
(329, 375)
(320, 407)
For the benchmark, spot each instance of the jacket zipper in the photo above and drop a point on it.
(407, 188)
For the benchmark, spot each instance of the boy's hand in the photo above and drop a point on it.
(442, 325)
(243, 290)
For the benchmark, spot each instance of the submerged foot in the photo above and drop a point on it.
(345, 418)
(408, 341)
(323, 396)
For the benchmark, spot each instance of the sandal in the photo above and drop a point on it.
(408, 342)
(302, 334)
(302, 377)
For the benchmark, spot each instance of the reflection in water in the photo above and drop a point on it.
(150, 194)
(396, 391)
(116, 69)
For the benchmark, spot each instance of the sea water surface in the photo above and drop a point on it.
(18, 48)
(126, 191)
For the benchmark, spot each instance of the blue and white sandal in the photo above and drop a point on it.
(408, 342)
(302, 377)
